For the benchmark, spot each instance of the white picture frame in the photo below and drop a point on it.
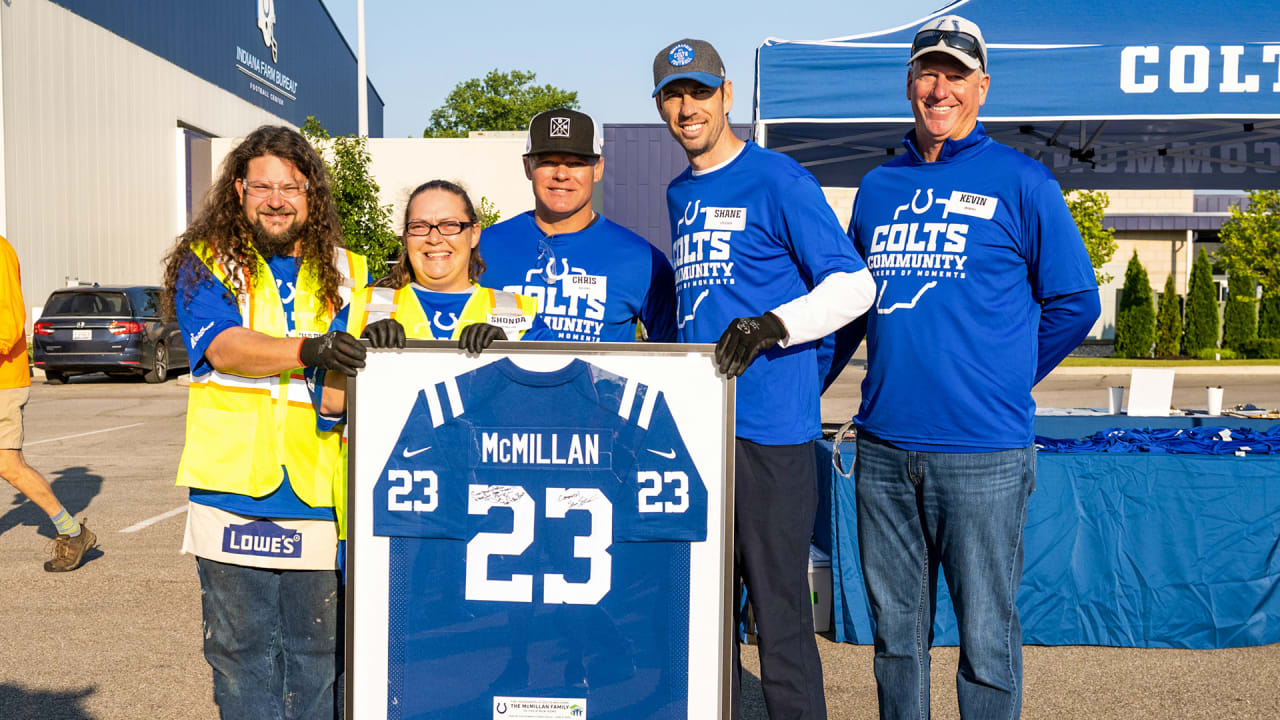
(701, 402)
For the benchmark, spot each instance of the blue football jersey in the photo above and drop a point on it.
(540, 525)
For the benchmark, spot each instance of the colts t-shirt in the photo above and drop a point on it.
(962, 250)
(591, 285)
(748, 237)
(534, 561)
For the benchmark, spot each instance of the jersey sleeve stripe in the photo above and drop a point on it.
(628, 399)
(433, 404)
(646, 409)
(455, 397)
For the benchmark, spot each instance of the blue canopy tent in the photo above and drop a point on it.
(1179, 94)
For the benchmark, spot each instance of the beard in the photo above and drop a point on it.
(269, 243)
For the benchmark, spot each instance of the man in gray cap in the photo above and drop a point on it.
(946, 461)
(763, 270)
(542, 253)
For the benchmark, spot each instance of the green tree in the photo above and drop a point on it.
(1201, 331)
(366, 225)
(1136, 319)
(488, 213)
(1269, 316)
(1239, 319)
(1251, 240)
(1088, 208)
(498, 101)
(1169, 320)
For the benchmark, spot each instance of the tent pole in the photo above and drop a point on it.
(761, 134)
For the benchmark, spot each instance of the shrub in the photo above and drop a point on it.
(1136, 319)
(1261, 348)
(1169, 320)
(1222, 354)
(1239, 320)
(1269, 316)
(1201, 329)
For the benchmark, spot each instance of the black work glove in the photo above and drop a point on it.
(388, 333)
(744, 339)
(475, 338)
(334, 350)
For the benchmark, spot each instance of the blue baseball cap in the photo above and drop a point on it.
(687, 60)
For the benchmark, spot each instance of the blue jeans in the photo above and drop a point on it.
(274, 641)
(965, 511)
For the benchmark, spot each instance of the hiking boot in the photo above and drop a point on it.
(69, 551)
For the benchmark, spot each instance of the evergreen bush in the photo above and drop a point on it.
(1136, 319)
(1201, 330)
(1169, 320)
(1269, 316)
(1239, 319)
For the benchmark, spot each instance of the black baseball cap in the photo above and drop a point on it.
(687, 59)
(564, 131)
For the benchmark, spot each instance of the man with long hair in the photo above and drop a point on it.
(254, 283)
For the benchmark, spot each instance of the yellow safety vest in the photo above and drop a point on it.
(241, 430)
(510, 311)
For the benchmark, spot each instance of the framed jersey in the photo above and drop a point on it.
(539, 533)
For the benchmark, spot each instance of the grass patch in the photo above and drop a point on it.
(1138, 362)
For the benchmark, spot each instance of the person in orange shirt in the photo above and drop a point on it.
(15, 388)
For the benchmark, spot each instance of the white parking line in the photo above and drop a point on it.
(153, 520)
(91, 432)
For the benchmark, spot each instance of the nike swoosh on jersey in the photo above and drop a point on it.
(670, 454)
(409, 454)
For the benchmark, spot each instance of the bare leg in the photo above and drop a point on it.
(14, 469)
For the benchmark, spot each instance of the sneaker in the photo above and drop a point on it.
(69, 551)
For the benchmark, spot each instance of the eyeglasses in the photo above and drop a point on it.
(962, 41)
(261, 189)
(445, 227)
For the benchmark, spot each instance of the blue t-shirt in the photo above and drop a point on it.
(539, 560)
(591, 285)
(748, 237)
(210, 311)
(962, 250)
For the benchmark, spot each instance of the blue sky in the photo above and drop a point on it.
(418, 51)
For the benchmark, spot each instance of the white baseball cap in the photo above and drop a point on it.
(954, 36)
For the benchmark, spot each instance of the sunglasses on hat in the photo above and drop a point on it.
(955, 39)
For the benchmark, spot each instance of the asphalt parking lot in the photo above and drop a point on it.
(120, 638)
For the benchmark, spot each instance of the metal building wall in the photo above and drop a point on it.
(640, 161)
(92, 146)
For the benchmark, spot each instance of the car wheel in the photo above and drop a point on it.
(53, 377)
(160, 371)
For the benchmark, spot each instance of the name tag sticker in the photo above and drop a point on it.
(719, 218)
(511, 323)
(585, 286)
(971, 204)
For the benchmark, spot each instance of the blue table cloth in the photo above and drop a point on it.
(1127, 550)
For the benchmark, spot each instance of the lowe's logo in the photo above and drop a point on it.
(262, 538)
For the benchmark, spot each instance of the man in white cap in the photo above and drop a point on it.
(593, 279)
(983, 286)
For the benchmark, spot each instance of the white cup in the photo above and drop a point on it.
(1213, 397)
(1115, 399)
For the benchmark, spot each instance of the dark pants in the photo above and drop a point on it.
(775, 500)
(274, 641)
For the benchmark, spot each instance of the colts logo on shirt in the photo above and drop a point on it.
(703, 257)
(912, 253)
(262, 538)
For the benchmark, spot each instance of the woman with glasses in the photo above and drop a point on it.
(432, 291)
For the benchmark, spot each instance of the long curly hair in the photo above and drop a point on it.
(222, 224)
(401, 272)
